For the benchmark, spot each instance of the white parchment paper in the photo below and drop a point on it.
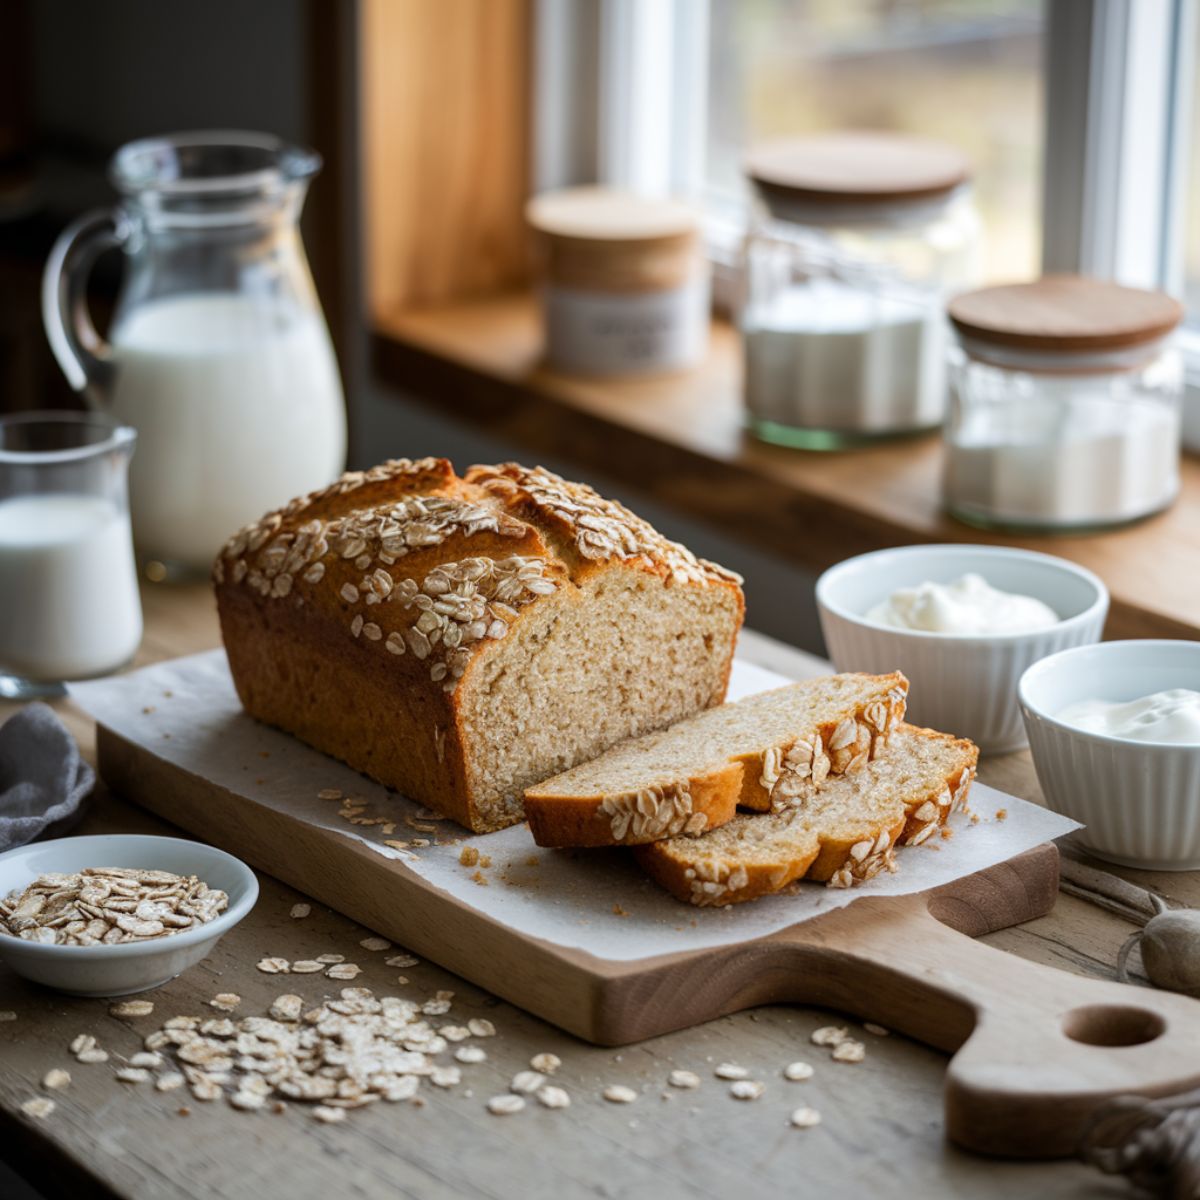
(186, 712)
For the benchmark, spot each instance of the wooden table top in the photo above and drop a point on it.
(681, 438)
(880, 1136)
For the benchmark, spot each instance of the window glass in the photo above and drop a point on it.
(968, 72)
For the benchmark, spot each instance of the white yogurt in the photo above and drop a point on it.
(1170, 716)
(969, 605)
(69, 603)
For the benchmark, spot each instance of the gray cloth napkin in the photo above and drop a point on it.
(43, 780)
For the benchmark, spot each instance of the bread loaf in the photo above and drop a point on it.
(841, 834)
(461, 638)
(691, 777)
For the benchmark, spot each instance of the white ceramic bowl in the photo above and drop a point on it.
(1140, 801)
(132, 966)
(961, 684)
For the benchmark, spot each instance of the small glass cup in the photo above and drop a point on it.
(69, 604)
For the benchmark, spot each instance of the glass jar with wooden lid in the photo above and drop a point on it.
(857, 240)
(625, 282)
(1064, 410)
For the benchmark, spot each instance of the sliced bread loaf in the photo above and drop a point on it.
(841, 834)
(691, 777)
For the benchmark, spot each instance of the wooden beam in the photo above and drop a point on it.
(446, 139)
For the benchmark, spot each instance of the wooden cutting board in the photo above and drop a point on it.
(1035, 1050)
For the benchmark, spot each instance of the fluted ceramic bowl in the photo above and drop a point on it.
(964, 684)
(127, 967)
(1139, 801)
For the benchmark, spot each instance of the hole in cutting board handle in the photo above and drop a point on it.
(1113, 1025)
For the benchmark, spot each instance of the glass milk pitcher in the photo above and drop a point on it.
(218, 354)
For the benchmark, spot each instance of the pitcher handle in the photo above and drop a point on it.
(83, 355)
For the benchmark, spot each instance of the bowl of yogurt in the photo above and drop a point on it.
(1115, 734)
(963, 623)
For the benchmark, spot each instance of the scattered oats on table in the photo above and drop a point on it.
(470, 1054)
(553, 1097)
(798, 1071)
(273, 966)
(683, 1079)
(454, 1033)
(133, 1075)
(375, 943)
(307, 966)
(169, 1081)
(56, 1079)
(7, 1015)
(344, 971)
(146, 1058)
(445, 1077)
(287, 1007)
(330, 1116)
(225, 1001)
(39, 1107)
(300, 911)
(526, 1082)
(131, 1008)
(875, 1030)
(746, 1089)
(829, 1035)
(731, 1071)
(331, 958)
(618, 1093)
(402, 961)
(849, 1051)
(504, 1106)
(481, 1027)
(805, 1118)
(546, 1063)
(329, 794)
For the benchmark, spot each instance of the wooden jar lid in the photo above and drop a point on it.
(857, 167)
(609, 240)
(1066, 313)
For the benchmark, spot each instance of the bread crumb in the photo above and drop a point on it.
(947, 832)
(148, 709)
(533, 861)
(1002, 814)
(469, 856)
(619, 911)
(480, 878)
(485, 860)
(974, 818)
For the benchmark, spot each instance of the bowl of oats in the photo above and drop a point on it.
(115, 914)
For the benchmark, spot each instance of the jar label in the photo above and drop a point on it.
(616, 333)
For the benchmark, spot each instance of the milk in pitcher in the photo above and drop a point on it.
(238, 408)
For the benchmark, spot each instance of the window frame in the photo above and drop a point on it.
(1113, 199)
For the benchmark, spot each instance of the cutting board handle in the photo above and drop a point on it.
(1035, 1050)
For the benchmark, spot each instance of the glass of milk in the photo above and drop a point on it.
(218, 354)
(69, 606)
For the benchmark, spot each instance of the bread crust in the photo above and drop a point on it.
(633, 819)
(337, 617)
(699, 874)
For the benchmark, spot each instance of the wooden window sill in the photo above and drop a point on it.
(681, 438)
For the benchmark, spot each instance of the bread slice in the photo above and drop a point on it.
(840, 834)
(692, 776)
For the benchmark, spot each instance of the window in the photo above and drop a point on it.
(1077, 113)
(966, 72)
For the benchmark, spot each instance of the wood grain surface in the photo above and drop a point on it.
(680, 438)
(881, 1134)
(446, 128)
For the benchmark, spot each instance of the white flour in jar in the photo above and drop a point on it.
(1082, 460)
(835, 357)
